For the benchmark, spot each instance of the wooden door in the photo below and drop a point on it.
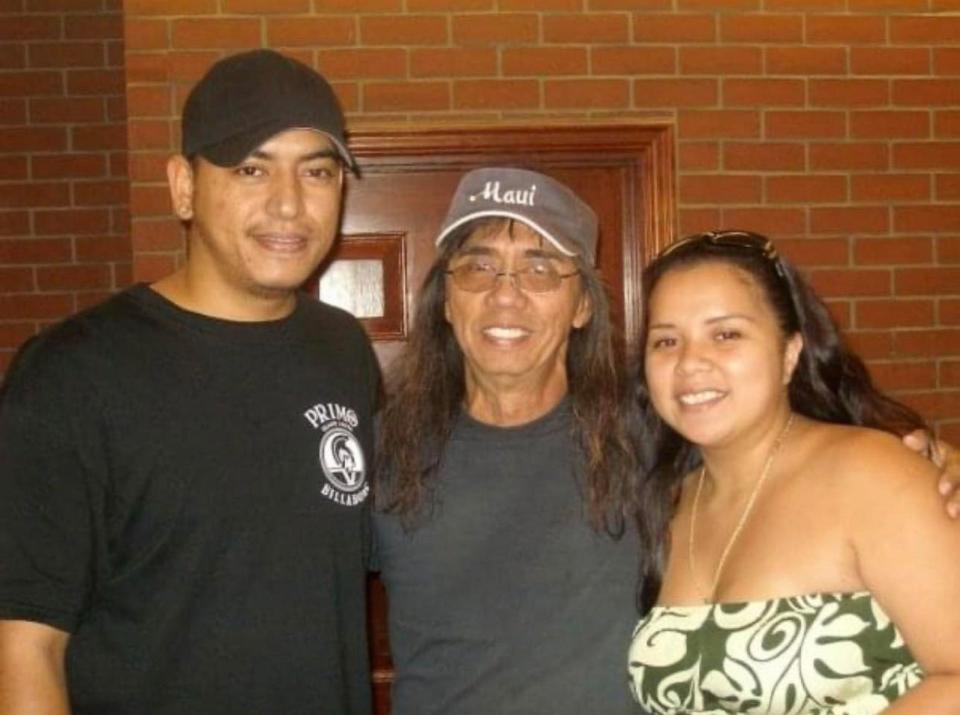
(393, 212)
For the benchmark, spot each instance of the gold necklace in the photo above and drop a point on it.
(709, 595)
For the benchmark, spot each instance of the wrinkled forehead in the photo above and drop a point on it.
(504, 235)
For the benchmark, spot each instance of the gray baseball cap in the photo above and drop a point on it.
(542, 203)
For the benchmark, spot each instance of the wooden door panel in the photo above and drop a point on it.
(392, 215)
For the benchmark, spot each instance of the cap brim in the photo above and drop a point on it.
(540, 229)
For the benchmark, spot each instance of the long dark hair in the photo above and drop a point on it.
(425, 391)
(829, 384)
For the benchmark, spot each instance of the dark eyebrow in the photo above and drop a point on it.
(319, 154)
(475, 251)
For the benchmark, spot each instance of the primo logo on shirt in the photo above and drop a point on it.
(341, 456)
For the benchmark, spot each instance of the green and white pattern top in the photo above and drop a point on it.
(821, 654)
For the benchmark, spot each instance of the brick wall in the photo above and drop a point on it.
(833, 125)
(64, 224)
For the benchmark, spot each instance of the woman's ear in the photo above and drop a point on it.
(791, 356)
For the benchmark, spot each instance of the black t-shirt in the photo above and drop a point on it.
(505, 601)
(187, 497)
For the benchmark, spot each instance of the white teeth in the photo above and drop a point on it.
(505, 333)
(697, 398)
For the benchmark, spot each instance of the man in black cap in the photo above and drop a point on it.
(176, 531)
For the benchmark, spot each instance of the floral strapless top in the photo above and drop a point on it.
(822, 654)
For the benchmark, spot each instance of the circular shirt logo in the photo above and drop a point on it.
(342, 460)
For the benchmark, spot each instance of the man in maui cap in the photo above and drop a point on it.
(171, 539)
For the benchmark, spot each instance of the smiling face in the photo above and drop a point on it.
(513, 339)
(259, 229)
(717, 364)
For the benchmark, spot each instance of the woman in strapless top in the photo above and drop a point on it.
(796, 564)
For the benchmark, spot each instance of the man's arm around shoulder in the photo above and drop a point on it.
(32, 675)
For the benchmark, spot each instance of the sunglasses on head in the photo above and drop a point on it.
(736, 240)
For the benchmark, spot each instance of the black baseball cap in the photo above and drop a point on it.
(245, 99)
(544, 204)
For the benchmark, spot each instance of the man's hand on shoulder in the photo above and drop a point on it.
(947, 459)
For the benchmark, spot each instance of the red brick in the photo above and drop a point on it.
(149, 268)
(64, 166)
(23, 28)
(892, 250)
(363, 63)
(935, 219)
(927, 155)
(763, 92)
(98, 136)
(904, 375)
(948, 187)
(633, 5)
(763, 157)
(694, 156)
(711, 5)
(13, 335)
(872, 344)
(950, 312)
(948, 249)
(120, 219)
(882, 124)
(544, 61)
(146, 34)
(774, 222)
(70, 221)
(849, 92)
(721, 60)
(947, 124)
(477, 5)
(334, 6)
(60, 110)
(266, 7)
(948, 431)
(34, 194)
(222, 33)
(149, 101)
(942, 404)
(673, 93)
(116, 109)
(99, 26)
(719, 189)
(312, 31)
(74, 277)
(35, 250)
(927, 281)
(894, 313)
(103, 248)
(946, 61)
(189, 67)
(99, 193)
(98, 82)
(806, 60)
(14, 223)
(593, 28)
(633, 60)
(698, 219)
(395, 97)
(802, 125)
(761, 28)
(13, 111)
(496, 94)
(883, 5)
(719, 124)
(926, 92)
(586, 93)
(890, 187)
(670, 28)
(812, 5)
(851, 156)
(149, 133)
(13, 57)
(889, 60)
(30, 84)
(849, 219)
(492, 29)
(453, 62)
(851, 282)
(13, 168)
(816, 251)
(49, 306)
(809, 188)
(949, 374)
(148, 67)
(159, 235)
(149, 200)
(850, 29)
(925, 30)
(66, 54)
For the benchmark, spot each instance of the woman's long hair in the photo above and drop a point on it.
(425, 392)
(829, 384)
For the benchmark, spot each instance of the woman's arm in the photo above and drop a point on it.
(32, 680)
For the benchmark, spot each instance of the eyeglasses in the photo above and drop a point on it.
(741, 240)
(479, 276)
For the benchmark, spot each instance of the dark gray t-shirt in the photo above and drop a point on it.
(506, 602)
